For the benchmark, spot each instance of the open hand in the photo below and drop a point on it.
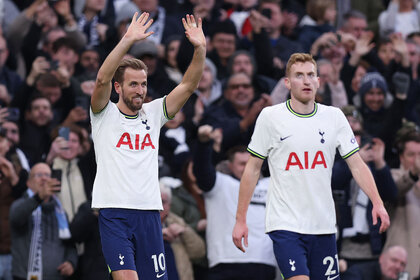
(138, 27)
(194, 31)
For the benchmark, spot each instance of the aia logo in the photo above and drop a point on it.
(306, 162)
(125, 139)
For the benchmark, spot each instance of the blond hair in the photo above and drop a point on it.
(299, 57)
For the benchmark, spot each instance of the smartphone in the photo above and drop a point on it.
(266, 13)
(14, 114)
(54, 65)
(57, 173)
(82, 101)
(64, 132)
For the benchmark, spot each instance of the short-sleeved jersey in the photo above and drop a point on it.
(126, 149)
(300, 150)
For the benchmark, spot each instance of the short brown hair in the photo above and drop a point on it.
(133, 63)
(316, 8)
(234, 150)
(299, 57)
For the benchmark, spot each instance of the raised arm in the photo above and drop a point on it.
(248, 183)
(363, 176)
(179, 95)
(135, 32)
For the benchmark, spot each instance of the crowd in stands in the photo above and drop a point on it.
(368, 57)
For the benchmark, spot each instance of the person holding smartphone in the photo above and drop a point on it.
(64, 157)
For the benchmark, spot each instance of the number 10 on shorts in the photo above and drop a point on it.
(159, 262)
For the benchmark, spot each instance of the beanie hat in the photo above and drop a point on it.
(372, 80)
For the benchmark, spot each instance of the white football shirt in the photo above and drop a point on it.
(300, 151)
(126, 149)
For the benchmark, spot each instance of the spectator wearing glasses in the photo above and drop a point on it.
(237, 114)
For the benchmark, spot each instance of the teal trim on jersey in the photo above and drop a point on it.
(255, 154)
(165, 112)
(130, 117)
(301, 115)
(351, 153)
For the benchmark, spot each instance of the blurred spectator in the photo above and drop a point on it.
(242, 61)
(237, 114)
(77, 178)
(123, 17)
(221, 198)
(222, 45)
(359, 240)
(173, 144)
(380, 118)
(180, 240)
(95, 18)
(12, 131)
(240, 16)
(391, 263)
(8, 78)
(210, 12)
(355, 23)
(331, 91)
(282, 46)
(371, 9)
(163, 25)
(39, 25)
(401, 16)
(209, 92)
(10, 182)
(413, 50)
(320, 19)
(405, 212)
(171, 50)
(88, 65)
(35, 136)
(158, 81)
(40, 234)
(85, 229)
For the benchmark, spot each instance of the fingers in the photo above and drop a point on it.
(374, 219)
(189, 22)
(385, 223)
(238, 243)
(133, 20)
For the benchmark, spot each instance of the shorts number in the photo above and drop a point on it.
(330, 261)
(159, 262)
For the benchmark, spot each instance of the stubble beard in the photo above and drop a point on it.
(129, 103)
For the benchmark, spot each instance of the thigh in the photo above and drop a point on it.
(323, 258)
(148, 242)
(117, 245)
(291, 253)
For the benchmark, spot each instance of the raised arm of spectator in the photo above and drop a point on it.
(136, 31)
(179, 95)
(203, 168)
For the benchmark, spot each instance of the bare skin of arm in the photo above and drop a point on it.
(248, 183)
(179, 95)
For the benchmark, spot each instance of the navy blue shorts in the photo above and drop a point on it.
(306, 254)
(132, 239)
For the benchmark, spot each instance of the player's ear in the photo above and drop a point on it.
(287, 83)
(117, 87)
